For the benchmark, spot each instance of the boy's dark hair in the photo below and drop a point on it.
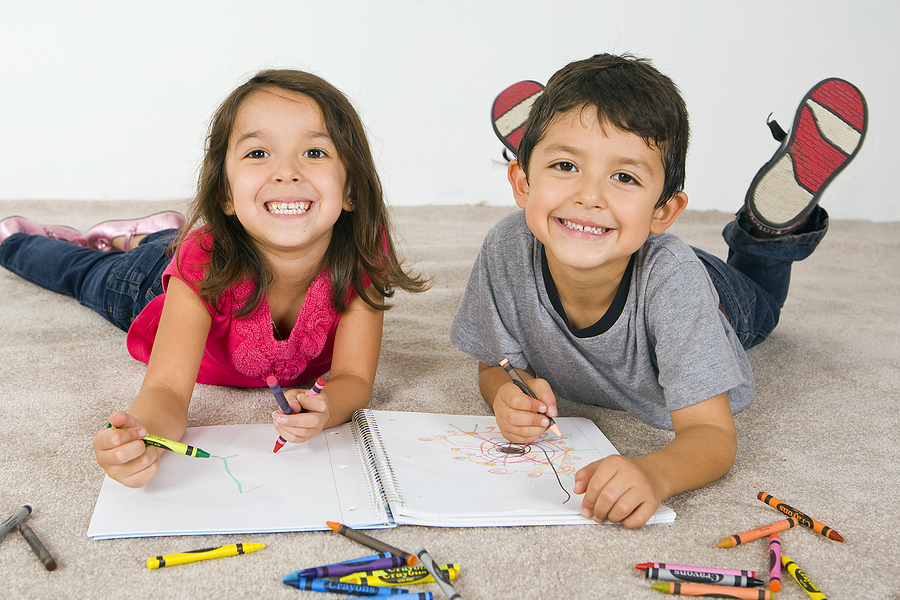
(361, 240)
(628, 93)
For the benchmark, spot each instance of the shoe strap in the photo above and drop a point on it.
(129, 237)
(777, 132)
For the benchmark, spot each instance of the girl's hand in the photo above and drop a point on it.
(121, 451)
(617, 489)
(523, 419)
(310, 413)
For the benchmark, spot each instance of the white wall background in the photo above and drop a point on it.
(110, 100)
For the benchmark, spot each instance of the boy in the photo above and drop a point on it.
(585, 292)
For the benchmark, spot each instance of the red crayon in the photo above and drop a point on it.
(759, 532)
(801, 517)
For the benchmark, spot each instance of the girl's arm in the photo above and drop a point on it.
(629, 490)
(162, 403)
(357, 344)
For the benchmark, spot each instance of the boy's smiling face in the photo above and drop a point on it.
(590, 194)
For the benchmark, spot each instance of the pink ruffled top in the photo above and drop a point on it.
(242, 352)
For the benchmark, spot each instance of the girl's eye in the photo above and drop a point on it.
(565, 166)
(257, 154)
(314, 153)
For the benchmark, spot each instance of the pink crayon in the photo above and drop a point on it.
(774, 563)
(645, 566)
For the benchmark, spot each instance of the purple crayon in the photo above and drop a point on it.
(276, 390)
(774, 563)
(671, 567)
(347, 568)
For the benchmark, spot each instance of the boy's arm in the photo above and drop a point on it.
(629, 490)
(521, 419)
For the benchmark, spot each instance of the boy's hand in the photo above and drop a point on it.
(617, 489)
(121, 451)
(523, 419)
(310, 413)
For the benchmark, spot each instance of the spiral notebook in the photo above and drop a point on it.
(382, 469)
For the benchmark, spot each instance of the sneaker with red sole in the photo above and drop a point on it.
(510, 112)
(828, 131)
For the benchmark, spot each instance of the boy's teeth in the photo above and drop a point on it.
(577, 227)
(288, 208)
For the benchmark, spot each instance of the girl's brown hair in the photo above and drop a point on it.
(361, 240)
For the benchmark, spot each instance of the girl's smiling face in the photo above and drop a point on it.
(287, 183)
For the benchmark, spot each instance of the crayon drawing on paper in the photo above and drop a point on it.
(489, 448)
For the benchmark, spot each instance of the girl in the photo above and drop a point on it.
(281, 269)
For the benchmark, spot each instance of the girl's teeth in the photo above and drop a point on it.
(288, 208)
(577, 227)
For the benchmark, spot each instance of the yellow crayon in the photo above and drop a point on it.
(801, 578)
(177, 447)
(399, 576)
(168, 560)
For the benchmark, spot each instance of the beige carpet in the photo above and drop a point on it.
(822, 435)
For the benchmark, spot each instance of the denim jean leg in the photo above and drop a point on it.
(116, 285)
(137, 276)
(768, 260)
(751, 310)
(753, 283)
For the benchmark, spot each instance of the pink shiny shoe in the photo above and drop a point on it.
(11, 225)
(100, 236)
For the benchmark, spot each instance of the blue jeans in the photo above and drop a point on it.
(116, 284)
(753, 283)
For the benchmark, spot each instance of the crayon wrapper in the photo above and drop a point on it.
(801, 578)
(397, 577)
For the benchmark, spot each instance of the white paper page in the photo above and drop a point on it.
(456, 470)
(298, 489)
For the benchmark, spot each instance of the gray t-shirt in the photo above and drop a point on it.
(668, 348)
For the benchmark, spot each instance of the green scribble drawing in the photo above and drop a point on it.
(230, 474)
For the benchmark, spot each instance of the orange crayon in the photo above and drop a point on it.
(801, 517)
(759, 532)
(716, 591)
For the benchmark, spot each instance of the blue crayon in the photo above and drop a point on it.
(326, 585)
(346, 568)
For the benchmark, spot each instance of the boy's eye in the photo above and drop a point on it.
(257, 154)
(315, 153)
(624, 178)
(565, 166)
